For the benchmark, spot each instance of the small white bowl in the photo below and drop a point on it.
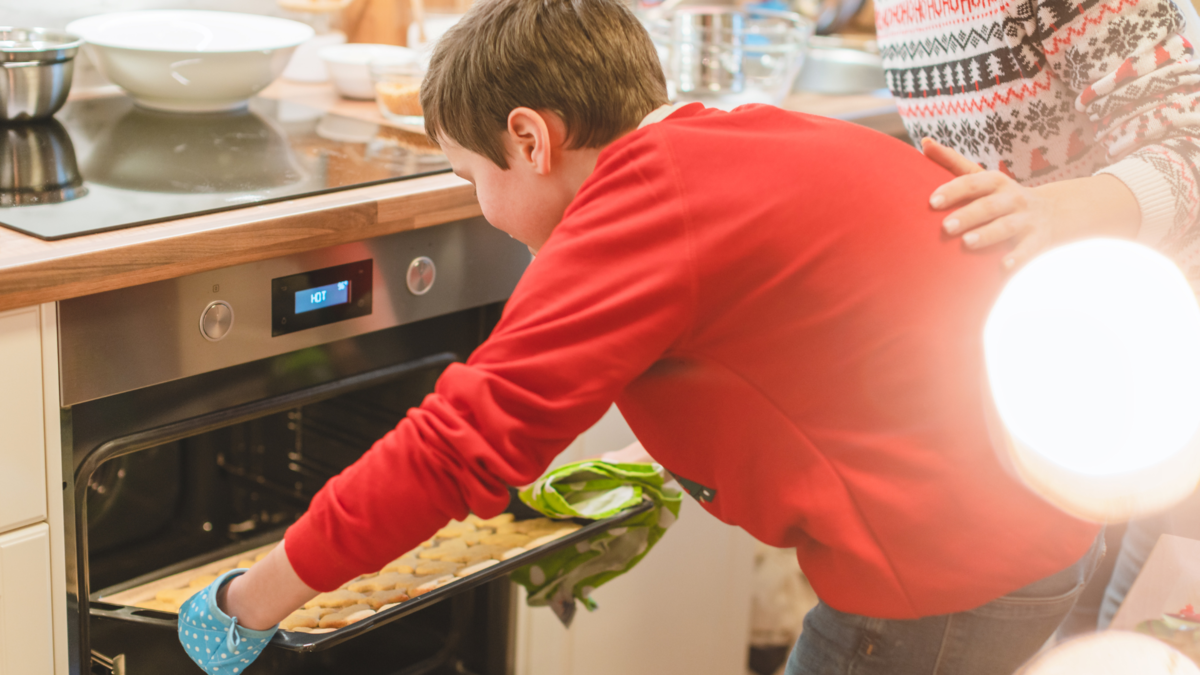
(190, 60)
(348, 69)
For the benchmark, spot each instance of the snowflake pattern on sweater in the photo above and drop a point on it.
(1047, 90)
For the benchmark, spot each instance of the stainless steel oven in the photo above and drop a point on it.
(201, 414)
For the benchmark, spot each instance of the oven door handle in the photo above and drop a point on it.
(108, 666)
(175, 431)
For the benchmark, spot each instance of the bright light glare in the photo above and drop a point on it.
(1093, 356)
(1111, 652)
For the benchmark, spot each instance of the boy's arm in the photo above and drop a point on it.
(1136, 77)
(608, 294)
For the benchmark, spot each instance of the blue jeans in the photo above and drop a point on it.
(994, 639)
(1140, 537)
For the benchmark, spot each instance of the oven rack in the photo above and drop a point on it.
(312, 642)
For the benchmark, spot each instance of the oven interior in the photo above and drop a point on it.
(169, 503)
(151, 509)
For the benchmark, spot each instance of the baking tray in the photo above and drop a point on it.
(102, 601)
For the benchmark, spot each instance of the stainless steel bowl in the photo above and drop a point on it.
(837, 65)
(37, 165)
(37, 67)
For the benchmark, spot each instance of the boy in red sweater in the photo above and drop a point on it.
(765, 296)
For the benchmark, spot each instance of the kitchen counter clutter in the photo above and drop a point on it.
(34, 270)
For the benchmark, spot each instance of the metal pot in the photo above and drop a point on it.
(37, 68)
(37, 165)
(841, 65)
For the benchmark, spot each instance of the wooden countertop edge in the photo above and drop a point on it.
(40, 271)
(33, 271)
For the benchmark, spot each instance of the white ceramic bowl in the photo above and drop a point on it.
(348, 69)
(189, 60)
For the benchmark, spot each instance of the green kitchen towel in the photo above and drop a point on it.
(596, 489)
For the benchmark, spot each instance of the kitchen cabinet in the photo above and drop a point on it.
(26, 631)
(23, 441)
(32, 569)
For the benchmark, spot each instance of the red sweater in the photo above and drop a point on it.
(771, 303)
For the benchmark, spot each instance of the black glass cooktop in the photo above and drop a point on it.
(104, 164)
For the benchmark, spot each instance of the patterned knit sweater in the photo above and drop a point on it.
(1046, 90)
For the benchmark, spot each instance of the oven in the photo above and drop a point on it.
(201, 414)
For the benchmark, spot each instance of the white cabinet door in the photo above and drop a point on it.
(23, 440)
(26, 632)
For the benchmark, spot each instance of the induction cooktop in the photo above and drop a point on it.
(105, 164)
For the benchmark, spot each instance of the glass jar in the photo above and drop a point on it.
(726, 57)
(397, 84)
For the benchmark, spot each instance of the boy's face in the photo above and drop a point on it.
(528, 199)
(512, 200)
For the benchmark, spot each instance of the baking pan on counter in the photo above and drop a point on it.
(116, 602)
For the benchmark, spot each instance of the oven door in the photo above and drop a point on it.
(190, 434)
(188, 498)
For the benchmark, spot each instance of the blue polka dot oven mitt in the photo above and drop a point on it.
(213, 639)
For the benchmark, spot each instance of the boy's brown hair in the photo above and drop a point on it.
(588, 61)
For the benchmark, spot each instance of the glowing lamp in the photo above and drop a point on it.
(1111, 652)
(1093, 357)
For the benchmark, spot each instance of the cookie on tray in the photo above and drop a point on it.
(477, 554)
(445, 548)
(404, 564)
(201, 581)
(477, 567)
(383, 582)
(157, 605)
(431, 585)
(346, 616)
(507, 540)
(455, 528)
(175, 596)
(339, 598)
(436, 568)
(527, 526)
(502, 519)
(379, 599)
(473, 538)
(547, 538)
(302, 618)
(513, 552)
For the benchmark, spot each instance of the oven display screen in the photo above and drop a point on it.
(322, 296)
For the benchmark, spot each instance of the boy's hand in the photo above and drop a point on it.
(993, 208)
(212, 638)
(238, 613)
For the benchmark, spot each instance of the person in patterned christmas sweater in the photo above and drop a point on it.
(1063, 118)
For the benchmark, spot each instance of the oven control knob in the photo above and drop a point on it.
(421, 274)
(216, 320)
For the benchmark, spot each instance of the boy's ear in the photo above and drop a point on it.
(533, 137)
